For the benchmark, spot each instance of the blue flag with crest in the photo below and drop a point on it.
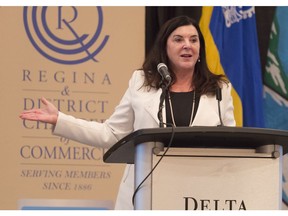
(233, 32)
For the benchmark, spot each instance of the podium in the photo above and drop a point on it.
(247, 161)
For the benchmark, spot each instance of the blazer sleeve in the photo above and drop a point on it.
(228, 108)
(104, 135)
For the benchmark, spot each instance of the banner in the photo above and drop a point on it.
(276, 83)
(79, 58)
(232, 49)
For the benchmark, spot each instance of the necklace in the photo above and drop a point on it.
(192, 110)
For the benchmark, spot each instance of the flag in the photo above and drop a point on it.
(276, 84)
(276, 73)
(232, 49)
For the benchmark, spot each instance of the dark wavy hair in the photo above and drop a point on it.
(204, 80)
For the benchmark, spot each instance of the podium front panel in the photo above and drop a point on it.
(217, 179)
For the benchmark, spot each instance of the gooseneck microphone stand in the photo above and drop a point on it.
(164, 86)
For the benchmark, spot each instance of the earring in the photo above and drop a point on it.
(198, 60)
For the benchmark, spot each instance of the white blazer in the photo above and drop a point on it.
(137, 110)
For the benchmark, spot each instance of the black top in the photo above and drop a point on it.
(182, 107)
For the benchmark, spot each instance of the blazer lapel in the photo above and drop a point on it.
(153, 107)
(207, 114)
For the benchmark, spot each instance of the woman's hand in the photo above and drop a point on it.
(48, 114)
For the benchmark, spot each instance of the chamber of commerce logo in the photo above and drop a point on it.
(66, 35)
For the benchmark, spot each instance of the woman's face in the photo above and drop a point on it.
(183, 47)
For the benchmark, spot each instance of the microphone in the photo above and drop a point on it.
(166, 80)
(163, 71)
(219, 94)
(219, 98)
